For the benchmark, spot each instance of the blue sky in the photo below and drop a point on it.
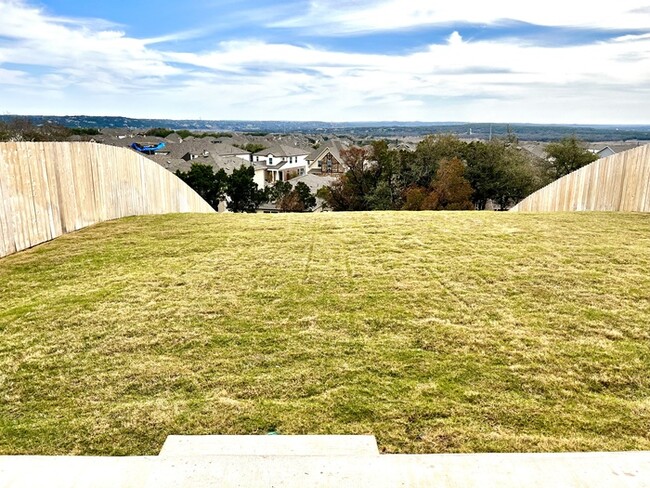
(558, 61)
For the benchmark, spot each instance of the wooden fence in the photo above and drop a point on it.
(49, 189)
(618, 183)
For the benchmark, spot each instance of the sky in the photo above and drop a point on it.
(552, 61)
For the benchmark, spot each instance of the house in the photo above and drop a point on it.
(605, 152)
(282, 162)
(611, 149)
(326, 160)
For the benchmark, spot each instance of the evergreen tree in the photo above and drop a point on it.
(203, 180)
(243, 192)
(569, 155)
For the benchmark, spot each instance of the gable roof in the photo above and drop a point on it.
(333, 146)
(606, 150)
(282, 151)
(222, 149)
(174, 137)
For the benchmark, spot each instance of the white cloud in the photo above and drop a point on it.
(79, 66)
(603, 82)
(78, 47)
(383, 15)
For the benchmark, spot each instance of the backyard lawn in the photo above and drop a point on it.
(436, 332)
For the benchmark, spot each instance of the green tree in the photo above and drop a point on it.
(383, 197)
(484, 169)
(428, 154)
(203, 180)
(279, 190)
(499, 171)
(569, 155)
(243, 192)
(384, 179)
(253, 147)
(517, 178)
(306, 197)
(159, 132)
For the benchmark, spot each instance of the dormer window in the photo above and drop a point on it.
(270, 160)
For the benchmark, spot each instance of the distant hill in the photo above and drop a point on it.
(387, 129)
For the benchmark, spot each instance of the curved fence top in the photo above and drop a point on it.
(48, 189)
(618, 183)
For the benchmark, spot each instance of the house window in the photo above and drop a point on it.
(270, 160)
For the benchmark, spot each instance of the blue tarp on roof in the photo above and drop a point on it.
(148, 148)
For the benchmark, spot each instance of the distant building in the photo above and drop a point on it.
(282, 162)
(326, 160)
(605, 152)
(611, 148)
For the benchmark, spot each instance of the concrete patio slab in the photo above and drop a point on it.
(234, 461)
(598, 470)
(75, 471)
(268, 445)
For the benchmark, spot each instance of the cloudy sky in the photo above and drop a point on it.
(553, 61)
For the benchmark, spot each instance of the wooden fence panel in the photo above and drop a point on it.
(7, 242)
(618, 183)
(48, 189)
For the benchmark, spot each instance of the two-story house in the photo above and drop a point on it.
(282, 162)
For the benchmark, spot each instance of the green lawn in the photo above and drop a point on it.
(436, 332)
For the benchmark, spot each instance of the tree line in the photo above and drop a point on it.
(23, 129)
(446, 173)
(184, 133)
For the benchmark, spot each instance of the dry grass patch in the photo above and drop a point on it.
(437, 332)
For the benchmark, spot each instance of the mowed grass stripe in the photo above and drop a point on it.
(436, 332)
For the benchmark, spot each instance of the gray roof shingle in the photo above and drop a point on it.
(282, 151)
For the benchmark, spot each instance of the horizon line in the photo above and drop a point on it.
(387, 122)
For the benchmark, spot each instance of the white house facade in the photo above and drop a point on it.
(282, 162)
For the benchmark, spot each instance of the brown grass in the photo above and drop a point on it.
(436, 332)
